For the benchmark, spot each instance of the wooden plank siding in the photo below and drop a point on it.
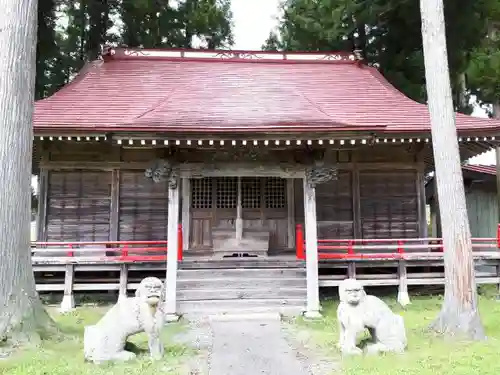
(78, 206)
(389, 204)
(482, 209)
(94, 194)
(143, 208)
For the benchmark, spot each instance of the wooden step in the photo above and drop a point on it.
(241, 293)
(251, 273)
(241, 263)
(204, 308)
(228, 283)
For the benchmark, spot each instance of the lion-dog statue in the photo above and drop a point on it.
(358, 311)
(106, 340)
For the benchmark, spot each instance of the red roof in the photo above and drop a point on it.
(487, 169)
(169, 90)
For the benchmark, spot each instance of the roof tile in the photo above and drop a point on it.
(133, 94)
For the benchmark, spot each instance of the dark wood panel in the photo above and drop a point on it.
(264, 206)
(334, 208)
(201, 234)
(143, 208)
(389, 204)
(78, 205)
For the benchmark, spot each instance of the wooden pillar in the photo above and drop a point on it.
(498, 180)
(171, 279)
(239, 213)
(122, 291)
(437, 214)
(498, 206)
(186, 212)
(311, 233)
(356, 214)
(422, 214)
(114, 221)
(43, 192)
(68, 301)
(290, 201)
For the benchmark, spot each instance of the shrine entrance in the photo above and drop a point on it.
(239, 214)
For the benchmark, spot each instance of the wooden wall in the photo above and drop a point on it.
(99, 194)
(78, 206)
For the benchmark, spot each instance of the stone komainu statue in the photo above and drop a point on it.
(358, 311)
(105, 341)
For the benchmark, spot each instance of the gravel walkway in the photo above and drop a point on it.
(251, 347)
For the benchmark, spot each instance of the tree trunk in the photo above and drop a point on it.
(459, 313)
(22, 314)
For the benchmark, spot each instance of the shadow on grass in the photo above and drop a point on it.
(428, 353)
(64, 355)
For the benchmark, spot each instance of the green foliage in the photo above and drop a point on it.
(70, 32)
(64, 355)
(389, 34)
(428, 354)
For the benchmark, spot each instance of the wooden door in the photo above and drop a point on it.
(214, 204)
(201, 213)
(264, 207)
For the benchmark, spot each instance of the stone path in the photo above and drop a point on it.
(252, 346)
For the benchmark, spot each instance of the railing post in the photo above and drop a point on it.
(400, 248)
(125, 251)
(71, 253)
(299, 242)
(403, 296)
(498, 247)
(498, 236)
(351, 264)
(179, 243)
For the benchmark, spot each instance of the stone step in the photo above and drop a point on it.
(241, 263)
(290, 307)
(240, 273)
(228, 283)
(241, 293)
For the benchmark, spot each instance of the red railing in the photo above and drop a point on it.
(131, 251)
(395, 248)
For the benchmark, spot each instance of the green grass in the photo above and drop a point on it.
(427, 353)
(65, 356)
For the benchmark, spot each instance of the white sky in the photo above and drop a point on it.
(253, 20)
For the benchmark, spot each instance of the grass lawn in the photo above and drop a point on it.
(427, 353)
(66, 357)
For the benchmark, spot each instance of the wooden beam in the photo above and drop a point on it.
(356, 204)
(186, 212)
(422, 213)
(243, 169)
(41, 221)
(68, 301)
(311, 233)
(437, 214)
(114, 224)
(171, 278)
(498, 180)
(290, 200)
(122, 292)
(239, 212)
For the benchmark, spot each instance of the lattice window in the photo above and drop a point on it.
(275, 192)
(251, 192)
(227, 192)
(201, 193)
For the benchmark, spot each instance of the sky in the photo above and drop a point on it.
(254, 19)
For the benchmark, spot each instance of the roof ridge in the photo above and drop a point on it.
(124, 53)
